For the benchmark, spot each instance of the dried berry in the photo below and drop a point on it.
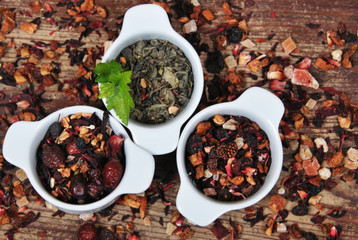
(53, 156)
(234, 34)
(80, 143)
(87, 231)
(214, 62)
(55, 129)
(78, 187)
(112, 173)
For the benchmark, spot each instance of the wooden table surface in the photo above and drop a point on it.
(283, 19)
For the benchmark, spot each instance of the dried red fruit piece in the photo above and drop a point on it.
(87, 231)
(303, 77)
(72, 149)
(304, 64)
(112, 173)
(53, 156)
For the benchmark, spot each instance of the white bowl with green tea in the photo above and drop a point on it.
(151, 79)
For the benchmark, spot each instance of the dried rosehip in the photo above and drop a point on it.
(112, 173)
(87, 231)
(234, 35)
(55, 129)
(53, 156)
(94, 190)
(72, 149)
(78, 187)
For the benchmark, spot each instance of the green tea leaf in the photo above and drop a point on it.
(114, 88)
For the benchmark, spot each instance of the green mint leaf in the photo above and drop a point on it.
(114, 88)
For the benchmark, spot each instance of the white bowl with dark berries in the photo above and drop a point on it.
(75, 163)
(200, 198)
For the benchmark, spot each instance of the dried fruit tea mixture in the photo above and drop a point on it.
(162, 79)
(80, 159)
(36, 78)
(228, 157)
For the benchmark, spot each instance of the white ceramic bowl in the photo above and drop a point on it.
(150, 21)
(22, 141)
(260, 106)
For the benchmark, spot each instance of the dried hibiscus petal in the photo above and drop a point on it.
(300, 210)
(219, 230)
(114, 146)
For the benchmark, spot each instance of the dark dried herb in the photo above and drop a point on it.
(234, 232)
(336, 213)
(234, 34)
(256, 217)
(166, 210)
(7, 79)
(300, 210)
(283, 214)
(309, 236)
(125, 217)
(313, 25)
(161, 221)
(182, 8)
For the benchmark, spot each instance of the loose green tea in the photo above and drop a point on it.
(162, 79)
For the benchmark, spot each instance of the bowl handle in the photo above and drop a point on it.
(17, 146)
(193, 207)
(262, 102)
(139, 169)
(145, 18)
(157, 144)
